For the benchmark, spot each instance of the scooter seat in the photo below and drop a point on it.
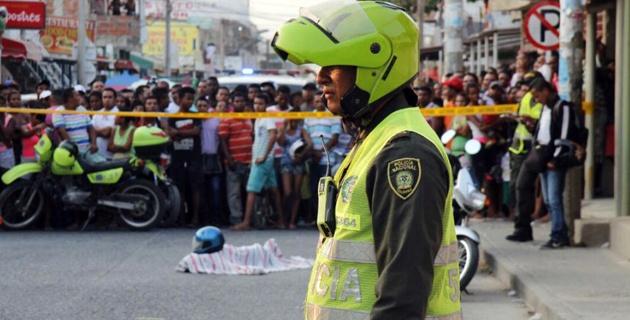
(89, 166)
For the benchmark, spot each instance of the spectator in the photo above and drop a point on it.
(470, 79)
(437, 94)
(95, 101)
(122, 138)
(252, 91)
(223, 95)
(425, 100)
(104, 124)
(262, 175)
(293, 166)
(114, 7)
(308, 95)
(15, 101)
(269, 88)
(236, 145)
(151, 105)
(296, 100)
(28, 128)
(186, 156)
(130, 6)
(41, 87)
(141, 93)
(554, 124)
(328, 130)
(504, 79)
(75, 127)
(211, 164)
(489, 78)
(7, 130)
(97, 86)
(213, 87)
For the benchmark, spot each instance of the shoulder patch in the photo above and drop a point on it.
(403, 176)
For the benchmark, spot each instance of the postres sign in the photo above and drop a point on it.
(25, 14)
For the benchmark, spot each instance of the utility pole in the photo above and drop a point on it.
(420, 4)
(221, 63)
(570, 89)
(81, 42)
(167, 57)
(453, 35)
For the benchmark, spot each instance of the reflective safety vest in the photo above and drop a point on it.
(526, 107)
(343, 279)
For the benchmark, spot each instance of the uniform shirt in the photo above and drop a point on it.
(407, 233)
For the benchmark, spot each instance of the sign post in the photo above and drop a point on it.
(542, 25)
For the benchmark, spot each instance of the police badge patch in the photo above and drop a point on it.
(404, 176)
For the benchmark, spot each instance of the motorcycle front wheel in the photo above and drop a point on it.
(468, 260)
(21, 204)
(148, 214)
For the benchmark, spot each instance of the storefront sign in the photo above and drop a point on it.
(61, 34)
(25, 14)
(183, 35)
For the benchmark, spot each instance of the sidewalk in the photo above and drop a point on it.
(568, 284)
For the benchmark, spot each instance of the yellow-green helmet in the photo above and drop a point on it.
(378, 38)
(66, 154)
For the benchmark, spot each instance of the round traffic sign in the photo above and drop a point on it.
(542, 25)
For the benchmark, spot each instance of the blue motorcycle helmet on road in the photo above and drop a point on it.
(208, 240)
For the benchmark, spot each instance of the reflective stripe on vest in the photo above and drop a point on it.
(363, 252)
(315, 312)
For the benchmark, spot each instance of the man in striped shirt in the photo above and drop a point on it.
(75, 127)
(236, 145)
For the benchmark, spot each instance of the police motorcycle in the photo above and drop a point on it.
(63, 179)
(466, 199)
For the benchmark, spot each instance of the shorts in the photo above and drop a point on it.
(292, 168)
(262, 176)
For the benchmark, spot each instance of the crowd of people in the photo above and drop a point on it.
(222, 165)
(219, 165)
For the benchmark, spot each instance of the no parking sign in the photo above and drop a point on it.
(542, 25)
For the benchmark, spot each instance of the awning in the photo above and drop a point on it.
(13, 49)
(17, 49)
(141, 62)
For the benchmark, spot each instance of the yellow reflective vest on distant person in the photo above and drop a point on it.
(530, 108)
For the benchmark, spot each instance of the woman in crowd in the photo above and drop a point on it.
(292, 164)
(122, 138)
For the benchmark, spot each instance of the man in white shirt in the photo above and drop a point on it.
(104, 124)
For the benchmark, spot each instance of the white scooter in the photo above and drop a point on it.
(466, 199)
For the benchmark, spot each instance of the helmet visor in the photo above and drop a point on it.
(341, 20)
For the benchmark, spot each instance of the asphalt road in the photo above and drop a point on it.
(131, 275)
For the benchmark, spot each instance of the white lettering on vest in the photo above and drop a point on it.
(333, 284)
(352, 286)
(318, 286)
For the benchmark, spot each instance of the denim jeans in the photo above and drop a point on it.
(236, 181)
(552, 182)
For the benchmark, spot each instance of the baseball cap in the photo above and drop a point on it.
(455, 82)
(80, 88)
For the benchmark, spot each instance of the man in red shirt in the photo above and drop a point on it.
(236, 145)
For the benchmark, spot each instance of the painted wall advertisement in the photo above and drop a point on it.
(183, 36)
(61, 34)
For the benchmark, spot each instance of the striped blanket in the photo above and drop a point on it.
(249, 260)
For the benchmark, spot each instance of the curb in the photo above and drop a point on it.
(535, 296)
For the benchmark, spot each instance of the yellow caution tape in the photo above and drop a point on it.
(432, 112)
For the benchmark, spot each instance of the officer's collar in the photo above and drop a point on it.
(402, 99)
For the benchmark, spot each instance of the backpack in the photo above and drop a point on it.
(573, 152)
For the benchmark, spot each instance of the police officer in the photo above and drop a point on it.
(522, 142)
(389, 251)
